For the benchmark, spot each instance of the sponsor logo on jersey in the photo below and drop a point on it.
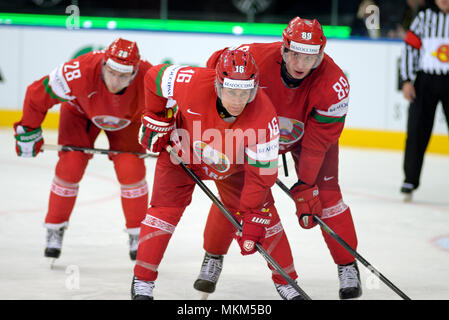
(338, 109)
(110, 123)
(168, 80)
(291, 130)
(57, 85)
(213, 158)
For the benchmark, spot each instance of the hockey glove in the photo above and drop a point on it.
(155, 132)
(28, 141)
(307, 203)
(253, 231)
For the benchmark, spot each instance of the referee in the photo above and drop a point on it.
(425, 72)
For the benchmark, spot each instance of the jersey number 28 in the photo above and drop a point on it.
(75, 72)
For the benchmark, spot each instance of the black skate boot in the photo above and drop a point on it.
(407, 190)
(209, 274)
(54, 243)
(350, 286)
(142, 290)
(133, 243)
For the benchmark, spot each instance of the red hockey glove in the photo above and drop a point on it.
(254, 229)
(28, 141)
(307, 203)
(155, 132)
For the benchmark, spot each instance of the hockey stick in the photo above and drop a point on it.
(236, 224)
(94, 150)
(284, 164)
(344, 244)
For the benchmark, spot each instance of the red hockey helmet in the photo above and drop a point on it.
(304, 36)
(237, 69)
(123, 56)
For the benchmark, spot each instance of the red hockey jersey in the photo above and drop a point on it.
(79, 82)
(214, 147)
(311, 115)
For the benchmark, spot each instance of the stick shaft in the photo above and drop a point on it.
(93, 150)
(345, 245)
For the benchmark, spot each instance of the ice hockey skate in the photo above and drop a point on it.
(349, 276)
(209, 274)
(287, 292)
(407, 191)
(54, 244)
(133, 243)
(142, 290)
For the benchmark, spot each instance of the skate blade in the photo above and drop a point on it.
(408, 197)
(52, 262)
(203, 295)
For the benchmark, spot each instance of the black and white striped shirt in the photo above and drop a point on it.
(426, 45)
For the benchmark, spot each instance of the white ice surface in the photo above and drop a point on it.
(400, 239)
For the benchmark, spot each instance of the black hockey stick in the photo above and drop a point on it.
(344, 244)
(94, 150)
(236, 224)
(284, 164)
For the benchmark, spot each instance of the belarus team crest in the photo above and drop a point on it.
(213, 158)
(110, 123)
(291, 130)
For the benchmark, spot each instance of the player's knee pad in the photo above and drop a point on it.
(71, 166)
(129, 168)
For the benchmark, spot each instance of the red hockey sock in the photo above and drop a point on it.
(277, 246)
(134, 203)
(69, 171)
(343, 225)
(130, 172)
(155, 232)
(62, 199)
(218, 233)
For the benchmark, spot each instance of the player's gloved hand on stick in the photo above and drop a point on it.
(155, 131)
(253, 231)
(307, 203)
(28, 141)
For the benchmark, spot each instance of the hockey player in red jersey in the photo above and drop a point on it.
(310, 94)
(226, 130)
(101, 90)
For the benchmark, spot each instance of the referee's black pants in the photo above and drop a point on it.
(430, 89)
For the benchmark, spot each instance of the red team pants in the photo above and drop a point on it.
(336, 214)
(172, 193)
(75, 129)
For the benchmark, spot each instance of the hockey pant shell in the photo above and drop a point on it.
(77, 130)
(430, 89)
(219, 232)
(336, 214)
